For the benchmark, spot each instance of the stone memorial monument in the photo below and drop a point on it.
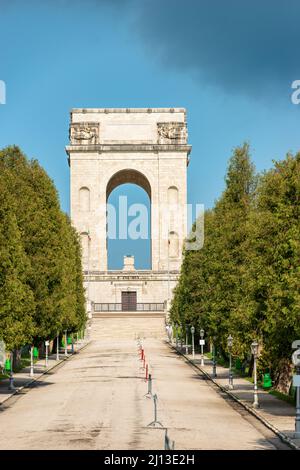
(148, 147)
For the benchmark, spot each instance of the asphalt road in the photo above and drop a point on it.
(96, 401)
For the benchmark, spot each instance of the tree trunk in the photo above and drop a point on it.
(16, 358)
(283, 376)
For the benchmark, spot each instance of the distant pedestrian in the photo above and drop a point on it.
(169, 331)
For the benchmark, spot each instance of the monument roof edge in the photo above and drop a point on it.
(128, 110)
(129, 148)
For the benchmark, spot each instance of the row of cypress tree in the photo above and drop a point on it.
(245, 281)
(41, 290)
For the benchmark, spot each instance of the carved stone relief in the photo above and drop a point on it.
(171, 133)
(84, 133)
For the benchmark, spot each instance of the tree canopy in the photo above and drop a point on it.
(245, 281)
(41, 289)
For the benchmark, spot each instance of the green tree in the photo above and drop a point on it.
(49, 243)
(245, 280)
(210, 286)
(17, 305)
(73, 314)
(273, 276)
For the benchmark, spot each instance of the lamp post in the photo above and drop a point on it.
(181, 337)
(201, 345)
(176, 335)
(31, 362)
(186, 339)
(230, 377)
(214, 371)
(171, 333)
(57, 346)
(254, 350)
(11, 377)
(66, 344)
(168, 269)
(296, 383)
(193, 342)
(46, 356)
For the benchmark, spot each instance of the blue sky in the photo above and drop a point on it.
(230, 63)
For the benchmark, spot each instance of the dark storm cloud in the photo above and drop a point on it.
(248, 46)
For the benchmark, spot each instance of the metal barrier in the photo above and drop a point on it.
(169, 445)
(139, 307)
(155, 422)
(149, 393)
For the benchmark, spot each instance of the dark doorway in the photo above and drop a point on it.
(128, 301)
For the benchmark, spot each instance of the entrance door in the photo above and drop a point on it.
(128, 301)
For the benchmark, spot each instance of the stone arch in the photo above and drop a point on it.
(128, 176)
(173, 245)
(172, 195)
(84, 199)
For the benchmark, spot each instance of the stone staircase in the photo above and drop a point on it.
(133, 314)
(128, 325)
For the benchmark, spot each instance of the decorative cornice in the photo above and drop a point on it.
(130, 276)
(126, 110)
(105, 148)
(136, 272)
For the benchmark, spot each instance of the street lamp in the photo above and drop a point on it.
(296, 383)
(46, 356)
(176, 335)
(254, 350)
(181, 336)
(57, 346)
(201, 345)
(168, 269)
(171, 333)
(186, 339)
(193, 342)
(66, 345)
(214, 371)
(11, 377)
(230, 377)
(31, 374)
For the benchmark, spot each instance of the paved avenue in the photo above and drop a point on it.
(96, 400)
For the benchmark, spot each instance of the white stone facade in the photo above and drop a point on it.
(148, 147)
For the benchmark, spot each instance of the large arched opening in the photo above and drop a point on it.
(128, 198)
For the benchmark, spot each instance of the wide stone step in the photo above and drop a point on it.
(133, 314)
(127, 327)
